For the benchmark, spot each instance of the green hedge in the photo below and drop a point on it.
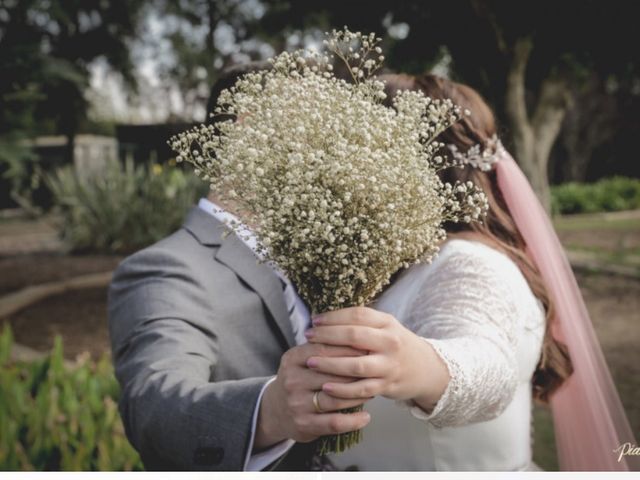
(606, 195)
(54, 417)
(123, 208)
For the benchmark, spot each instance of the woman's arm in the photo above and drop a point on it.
(455, 360)
(468, 313)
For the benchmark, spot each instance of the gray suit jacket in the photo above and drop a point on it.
(197, 327)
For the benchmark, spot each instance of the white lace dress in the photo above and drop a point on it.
(476, 309)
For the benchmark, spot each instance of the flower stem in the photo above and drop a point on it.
(341, 442)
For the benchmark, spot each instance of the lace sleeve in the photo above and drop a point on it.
(467, 311)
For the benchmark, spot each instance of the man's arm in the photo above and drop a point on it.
(259, 458)
(164, 351)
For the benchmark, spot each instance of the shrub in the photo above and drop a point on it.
(606, 195)
(55, 417)
(124, 207)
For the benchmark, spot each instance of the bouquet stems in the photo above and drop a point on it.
(341, 442)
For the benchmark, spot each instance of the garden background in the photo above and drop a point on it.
(91, 90)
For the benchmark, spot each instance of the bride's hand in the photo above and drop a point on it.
(400, 365)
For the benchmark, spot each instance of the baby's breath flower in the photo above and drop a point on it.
(342, 190)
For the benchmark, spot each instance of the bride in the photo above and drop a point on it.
(459, 350)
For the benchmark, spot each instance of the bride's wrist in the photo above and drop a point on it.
(432, 377)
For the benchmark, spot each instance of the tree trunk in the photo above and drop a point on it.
(588, 125)
(534, 136)
(576, 163)
(212, 24)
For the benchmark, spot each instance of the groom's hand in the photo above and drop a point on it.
(287, 409)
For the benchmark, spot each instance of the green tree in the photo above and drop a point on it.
(527, 58)
(205, 37)
(46, 47)
(530, 57)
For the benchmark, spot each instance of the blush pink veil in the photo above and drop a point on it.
(590, 424)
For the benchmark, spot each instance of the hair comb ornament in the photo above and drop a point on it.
(484, 159)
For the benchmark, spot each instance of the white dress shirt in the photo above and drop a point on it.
(300, 320)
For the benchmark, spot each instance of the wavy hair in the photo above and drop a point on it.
(499, 228)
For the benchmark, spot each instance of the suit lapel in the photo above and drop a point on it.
(204, 227)
(237, 256)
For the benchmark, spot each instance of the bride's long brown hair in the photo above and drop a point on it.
(499, 228)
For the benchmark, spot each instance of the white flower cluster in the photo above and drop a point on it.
(341, 190)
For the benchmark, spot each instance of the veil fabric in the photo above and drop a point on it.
(590, 423)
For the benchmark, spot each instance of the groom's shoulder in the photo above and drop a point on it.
(181, 248)
(180, 245)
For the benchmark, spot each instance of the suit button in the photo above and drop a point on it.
(208, 455)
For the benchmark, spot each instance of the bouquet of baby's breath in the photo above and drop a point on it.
(341, 190)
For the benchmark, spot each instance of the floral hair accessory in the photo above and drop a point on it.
(484, 159)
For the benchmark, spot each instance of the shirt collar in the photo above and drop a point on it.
(219, 213)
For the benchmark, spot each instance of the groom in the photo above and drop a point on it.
(203, 338)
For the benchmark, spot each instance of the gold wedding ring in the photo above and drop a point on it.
(316, 403)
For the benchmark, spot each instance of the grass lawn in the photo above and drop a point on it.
(621, 221)
(608, 238)
(544, 446)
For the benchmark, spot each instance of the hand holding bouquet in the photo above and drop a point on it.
(342, 191)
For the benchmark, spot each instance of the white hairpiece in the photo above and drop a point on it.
(482, 159)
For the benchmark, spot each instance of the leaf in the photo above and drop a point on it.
(6, 343)
(56, 417)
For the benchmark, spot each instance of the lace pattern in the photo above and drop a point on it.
(472, 304)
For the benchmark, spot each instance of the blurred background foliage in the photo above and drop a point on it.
(46, 51)
(60, 416)
(562, 76)
(606, 195)
(123, 208)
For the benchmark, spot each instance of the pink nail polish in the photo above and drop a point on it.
(317, 320)
(309, 333)
(327, 387)
(312, 363)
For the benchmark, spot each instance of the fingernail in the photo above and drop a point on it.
(327, 387)
(312, 362)
(317, 320)
(309, 333)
